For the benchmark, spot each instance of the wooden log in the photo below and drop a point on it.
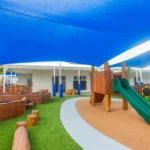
(107, 103)
(21, 140)
(36, 112)
(125, 104)
(22, 123)
(32, 120)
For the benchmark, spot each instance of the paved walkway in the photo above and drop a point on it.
(82, 133)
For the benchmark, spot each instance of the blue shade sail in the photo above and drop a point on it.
(87, 32)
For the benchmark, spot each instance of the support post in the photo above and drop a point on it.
(11, 81)
(107, 97)
(136, 84)
(54, 84)
(92, 100)
(141, 79)
(60, 82)
(15, 79)
(79, 86)
(4, 80)
(107, 103)
(124, 75)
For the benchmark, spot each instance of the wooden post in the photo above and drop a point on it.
(110, 100)
(106, 66)
(107, 103)
(36, 112)
(107, 96)
(124, 75)
(93, 98)
(32, 120)
(125, 104)
(92, 86)
(92, 79)
(22, 123)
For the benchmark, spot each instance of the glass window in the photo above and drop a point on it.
(84, 77)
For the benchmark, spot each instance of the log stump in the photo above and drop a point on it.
(36, 112)
(21, 140)
(22, 123)
(32, 120)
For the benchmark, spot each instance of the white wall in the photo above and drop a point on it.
(146, 77)
(22, 78)
(43, 79)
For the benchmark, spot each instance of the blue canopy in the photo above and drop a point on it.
(139, 61)
(82, 31)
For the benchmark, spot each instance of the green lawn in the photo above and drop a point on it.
(48, 134)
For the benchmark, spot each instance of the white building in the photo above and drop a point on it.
(139, 75)
(41, 75)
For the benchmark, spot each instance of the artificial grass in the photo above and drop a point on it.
(117, 97)
(48, 134)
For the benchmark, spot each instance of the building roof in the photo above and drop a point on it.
(26, 68)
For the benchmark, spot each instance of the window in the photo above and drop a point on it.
(82, 82)
(75, 77)
(84, 77)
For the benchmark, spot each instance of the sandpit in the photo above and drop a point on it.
(126, 127)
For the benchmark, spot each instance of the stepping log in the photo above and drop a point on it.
(22, 123)
(36, 112)
(21, 140)
(32, 120)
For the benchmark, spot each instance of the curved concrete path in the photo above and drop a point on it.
(82, 133)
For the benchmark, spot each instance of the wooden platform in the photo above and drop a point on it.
(36, 98)
(12, 109)
(29, 105)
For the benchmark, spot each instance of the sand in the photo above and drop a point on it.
(124, 126)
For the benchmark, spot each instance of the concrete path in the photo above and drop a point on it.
(82, 133)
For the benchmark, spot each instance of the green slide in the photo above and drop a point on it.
(135, 100)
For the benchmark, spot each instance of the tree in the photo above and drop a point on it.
(1, 70)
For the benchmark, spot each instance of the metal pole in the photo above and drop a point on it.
(54, 85)
(11, 82)
(136, 78)
(141, 79)
(60, 82)
(15, 79)
(4, 80)
(54, 74)
(60, 73)
(79, 86)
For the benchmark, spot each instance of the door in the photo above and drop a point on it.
(63, 79)
(29, 82)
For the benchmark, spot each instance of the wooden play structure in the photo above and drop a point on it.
(102, 85)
